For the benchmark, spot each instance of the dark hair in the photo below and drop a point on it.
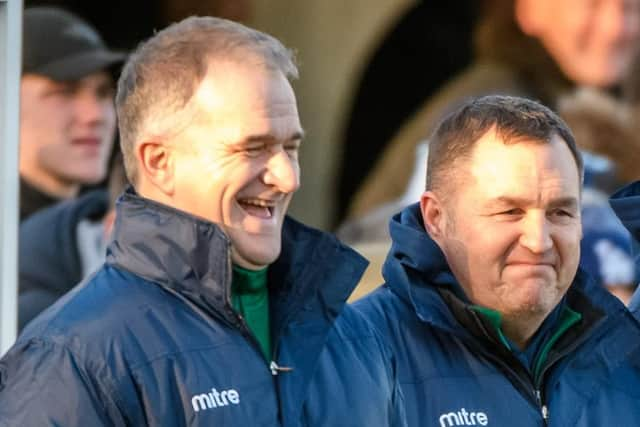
(161, 76)
(514, 119)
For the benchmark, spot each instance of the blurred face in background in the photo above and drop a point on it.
(592, 41)
(66, 131)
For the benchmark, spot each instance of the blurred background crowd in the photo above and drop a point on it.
(375, 77)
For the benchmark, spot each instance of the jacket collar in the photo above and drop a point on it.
(417, 271)
(315, 274)
(173, 249)
(191, 256)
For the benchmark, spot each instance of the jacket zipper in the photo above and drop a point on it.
(522, 381)
(249, 336)
(552, 361)
(520, 378)
(525, 380)
(239, 322)
(543, 407)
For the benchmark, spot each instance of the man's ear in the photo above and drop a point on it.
(156, 166)
(433, 215)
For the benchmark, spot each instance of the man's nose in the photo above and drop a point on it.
(536, 233)
(91, 107)
(282, 171)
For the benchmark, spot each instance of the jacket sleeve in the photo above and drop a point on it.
(44, 384)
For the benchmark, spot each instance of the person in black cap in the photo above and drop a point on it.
(67, 116)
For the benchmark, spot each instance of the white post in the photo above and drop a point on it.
(10, 66)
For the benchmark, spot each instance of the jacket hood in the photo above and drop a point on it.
(416, 269)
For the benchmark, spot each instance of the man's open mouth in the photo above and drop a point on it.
(258, 207)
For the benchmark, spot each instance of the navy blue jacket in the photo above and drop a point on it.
(151, 338)
(454, 371)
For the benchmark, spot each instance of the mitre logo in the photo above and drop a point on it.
(215, 399)
(463, 418)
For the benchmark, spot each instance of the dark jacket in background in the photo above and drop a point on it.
(151, 338)
(49, 264)
(33, 200)
(451, 361)
(626, 204)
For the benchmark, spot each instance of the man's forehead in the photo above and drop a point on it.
(244, 106)
(495, 152)
(228, 85)
(502, 169)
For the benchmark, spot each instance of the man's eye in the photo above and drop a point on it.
(62, 90)
(562, 212)
(254, 150)
(514, 211)
(292, 148)
(106, 92)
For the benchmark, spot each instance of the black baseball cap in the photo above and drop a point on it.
(62, 46)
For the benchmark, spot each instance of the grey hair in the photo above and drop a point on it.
(161, 76)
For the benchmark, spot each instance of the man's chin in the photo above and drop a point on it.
(535, 306)
(87, 178)
(253, 259)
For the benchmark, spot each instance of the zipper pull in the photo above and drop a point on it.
(545, 412)
(543, 408)
(275, 369)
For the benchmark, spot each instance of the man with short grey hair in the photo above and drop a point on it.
(213, 307)
(489, 315)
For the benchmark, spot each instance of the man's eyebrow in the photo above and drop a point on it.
(296, 136)
(561, 202)
(508, 200)
(55, 85)
(564, 202)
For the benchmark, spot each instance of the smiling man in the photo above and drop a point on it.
(213, 308)
(67, 115)
(484, 303)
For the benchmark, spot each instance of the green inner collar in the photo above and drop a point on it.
(568, 318)
(250, 299)
(247, 281)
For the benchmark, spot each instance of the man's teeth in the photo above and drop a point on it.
(257, 207)
(257, 202)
